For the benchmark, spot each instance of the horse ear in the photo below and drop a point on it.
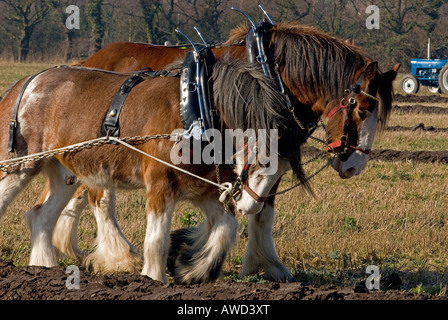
(371, 70)
(392, 73)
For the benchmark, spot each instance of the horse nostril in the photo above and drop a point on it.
(352, 171)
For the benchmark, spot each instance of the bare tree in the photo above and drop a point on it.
(206, 14)
(23, 16)
(150, 10)
(60, 6)
(293, 10)
(95, 19)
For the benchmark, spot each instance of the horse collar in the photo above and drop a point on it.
(256, 44)
(197, 110)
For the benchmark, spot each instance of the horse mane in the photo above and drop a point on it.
(247, 99)
(386, 99)
(315, 62)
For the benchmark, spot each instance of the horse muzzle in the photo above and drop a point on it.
(353, 166)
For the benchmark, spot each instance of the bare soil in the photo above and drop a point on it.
(39, 283)
(420, 99)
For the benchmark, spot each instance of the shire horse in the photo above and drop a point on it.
(315, 69)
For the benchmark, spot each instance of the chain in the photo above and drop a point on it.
(297, 119)
(7, 165)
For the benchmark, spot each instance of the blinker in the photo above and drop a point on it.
(355, 88)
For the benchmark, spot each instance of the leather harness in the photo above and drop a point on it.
(197, 110)
(110, 125)
(111, 122)
(14, 119)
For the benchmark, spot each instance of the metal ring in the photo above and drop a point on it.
(262, 58)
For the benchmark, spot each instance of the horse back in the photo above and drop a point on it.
(129, 56)
(67, 105)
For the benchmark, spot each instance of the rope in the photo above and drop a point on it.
(137, 140)
(5, 165)
(168, 164)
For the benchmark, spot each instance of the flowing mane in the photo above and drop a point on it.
(316, 64)
(247, 99)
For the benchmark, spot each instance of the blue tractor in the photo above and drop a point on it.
(431, 73)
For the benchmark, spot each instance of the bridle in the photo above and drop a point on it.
(241, 181)
(347, 104)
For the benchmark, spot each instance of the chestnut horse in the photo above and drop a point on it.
(314, 93)
(113, 252)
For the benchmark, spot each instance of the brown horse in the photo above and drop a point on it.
(113, 252)
(314, 93)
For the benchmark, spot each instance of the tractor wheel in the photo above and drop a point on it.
(409, 84)
(434, 89)
(443, 79)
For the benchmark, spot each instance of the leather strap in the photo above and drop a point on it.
(14, 119)
(111, 122)
(253, 194)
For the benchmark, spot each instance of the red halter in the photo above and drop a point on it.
(347, 104)
(342, 143)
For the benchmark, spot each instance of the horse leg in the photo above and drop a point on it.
(204, 248)
(11, 185)
(42, 218)
(157, 239)
(113, 251)
(260, 252)
(65, 234)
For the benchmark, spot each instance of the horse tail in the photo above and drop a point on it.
(197, 254)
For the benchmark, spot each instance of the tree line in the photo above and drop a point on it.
(36, 30)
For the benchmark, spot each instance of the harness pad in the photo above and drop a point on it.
(196, 106)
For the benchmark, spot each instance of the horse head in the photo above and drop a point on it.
(319, 75)
(353, 122)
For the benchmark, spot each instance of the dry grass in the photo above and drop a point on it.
(409, 120)
(414, 141)
(12, 71)
(394, 215)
